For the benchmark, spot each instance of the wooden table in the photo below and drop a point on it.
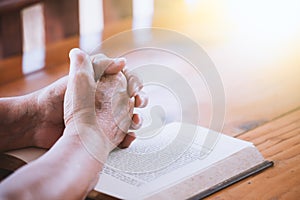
(279, 141)
(259, 63)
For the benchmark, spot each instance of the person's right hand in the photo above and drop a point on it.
(100, 114)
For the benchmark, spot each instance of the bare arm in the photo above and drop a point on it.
(35, 119)
(68, 169)
(16, 110)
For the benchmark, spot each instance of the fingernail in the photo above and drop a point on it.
(144, 101)
(134, 86)
(139, 124)
(119, 61)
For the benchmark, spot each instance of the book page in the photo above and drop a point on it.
(156, 163)
(125, 174)
(27, 154)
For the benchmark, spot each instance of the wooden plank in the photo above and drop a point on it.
(13, 83)
(13, 80)
(112, 29)
(280, 143)
(61, 19)
(33, 81)
(58, 52)
(116, 10)
(10, 69)
(10, 34)
(13, 5)
(269, 136)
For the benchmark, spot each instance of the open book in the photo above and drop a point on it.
(146, 171)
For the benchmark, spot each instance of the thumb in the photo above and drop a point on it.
(81, 85)
(105, 65)
(80, 61)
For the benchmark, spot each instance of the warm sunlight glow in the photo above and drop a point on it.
(266, 28)
(269, 21)
(33, 39)
(91, 23)
(142, 13)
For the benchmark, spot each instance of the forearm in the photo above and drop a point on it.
(66, 170)
(35, 119)
(17, 117)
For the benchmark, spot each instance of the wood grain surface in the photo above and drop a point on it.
(279, 141)
(255, 48)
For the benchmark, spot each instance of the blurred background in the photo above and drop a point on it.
(254, 44)
(264, 29)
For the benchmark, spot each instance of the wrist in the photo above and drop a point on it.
(49, 109)
(88, 141)
(18, 116)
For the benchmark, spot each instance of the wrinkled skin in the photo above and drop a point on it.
(114, 107)
(50, 102)
(101, 111)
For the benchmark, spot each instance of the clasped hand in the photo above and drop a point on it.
(99, 102)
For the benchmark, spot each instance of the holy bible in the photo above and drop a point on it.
(168, 165)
